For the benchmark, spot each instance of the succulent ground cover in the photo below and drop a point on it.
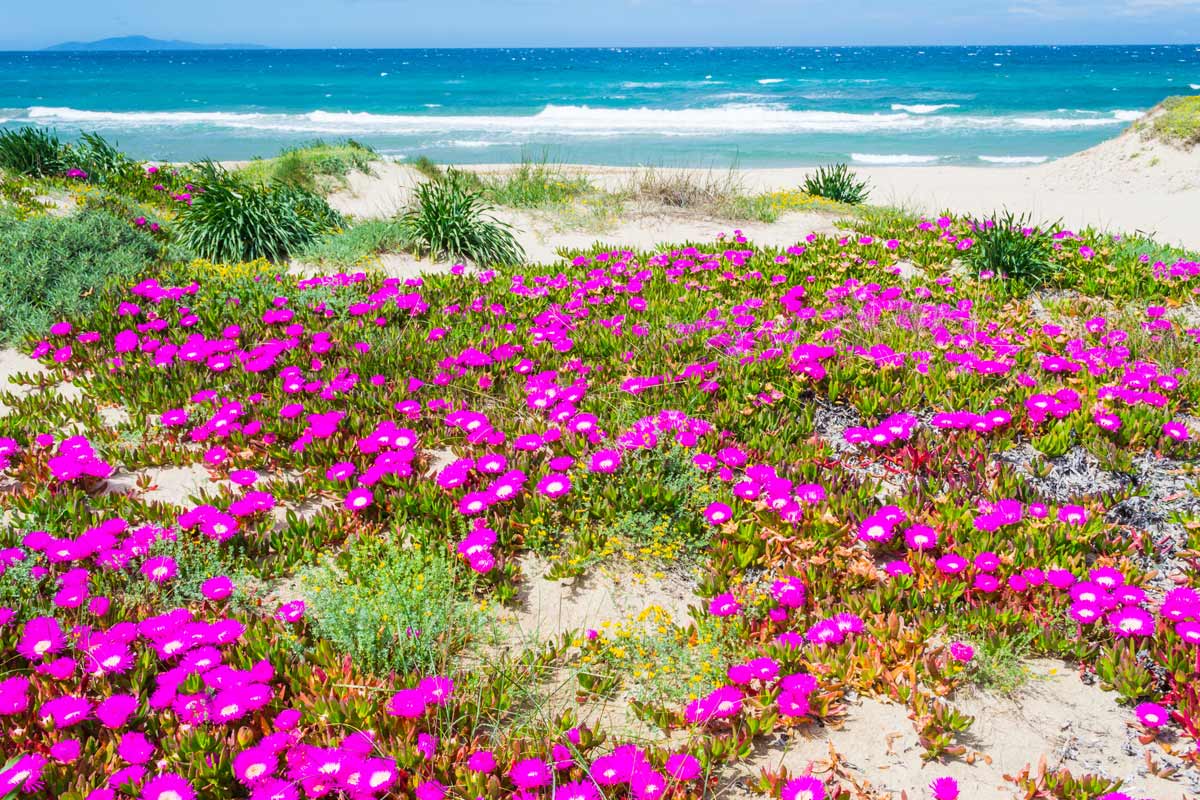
(879, 467)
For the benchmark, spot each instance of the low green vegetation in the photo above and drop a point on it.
(393, 607)
(837, 182)
(1178, 121)
(450, 218)
(314, 167)
(357, 245)
(54, 267)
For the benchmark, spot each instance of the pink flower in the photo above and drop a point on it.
(944, 788)
(358, 499)
(159, 569)
(167, 786)
(803, 788)
(407, 703)
(961, 651)
(217, 588)
(290, 612)
(529, 773)
(1152, 715)
(724, 605)
(717, 513)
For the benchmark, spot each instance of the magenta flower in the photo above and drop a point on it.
(358, 499)
(217, 588)
(724, 605)
(481, 761)
(291, 612)
(135, 748)
(167, 786)
(944, 788)
(962, 651)
(554, 485)
(41, 637)
(407, 703)
(159, 569)
(577, 790)
(1175, 430)
(530, 773)
(717, 513)
(803, 788)
(1131, 621)
(1152, 715)
(683, 767)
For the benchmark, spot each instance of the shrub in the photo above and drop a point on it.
(425, 166)
(235, 220)
(837, 182)
(32, 151)
(53, 267)
(685, 188)
(1014, 247)
(390, 608)
(450, 219)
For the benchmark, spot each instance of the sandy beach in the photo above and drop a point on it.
(1125, 185)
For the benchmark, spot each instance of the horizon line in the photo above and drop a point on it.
(212, 47)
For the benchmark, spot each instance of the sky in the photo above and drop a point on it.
(549, 23)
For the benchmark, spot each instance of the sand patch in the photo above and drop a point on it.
(1056, 715)
(548, 608)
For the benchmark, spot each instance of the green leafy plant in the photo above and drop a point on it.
(534, 184)
(32, 151)
(1014, 247)
(235, 220)
(450, 219)
(54, 267)
(837, 182)
(391, 607)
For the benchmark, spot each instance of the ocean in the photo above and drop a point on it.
(663, 106)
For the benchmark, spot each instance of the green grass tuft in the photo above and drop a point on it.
(451, 219)
(356, 245)
(837, 182)
(235, 220)
(34, 152)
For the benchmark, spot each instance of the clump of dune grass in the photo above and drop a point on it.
(34, 152)
(316, 166)
(234, 219)
(837, 182)
(1012, 246)
(1176, 121)
(534, 184)
(683, 189)
(426, 167)
(450, 218)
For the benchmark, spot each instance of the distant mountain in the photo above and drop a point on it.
(128, 43)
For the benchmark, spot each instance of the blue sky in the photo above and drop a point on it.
(417, 23)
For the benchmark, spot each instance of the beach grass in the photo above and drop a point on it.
(356, 245)
(315, 166)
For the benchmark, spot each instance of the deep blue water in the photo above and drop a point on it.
(673, 106)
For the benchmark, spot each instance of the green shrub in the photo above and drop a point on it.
(390, 607)
(54, 267)
(1014, 247)
(357, 244)
(32, 151)
(837, 182)
(19, 198)
(233, 220)
(449, 218)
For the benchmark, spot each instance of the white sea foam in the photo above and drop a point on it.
(878, 159)
(768, 81)
(1194, 86)
(1015, 159)
(762, 118)
(922, 109)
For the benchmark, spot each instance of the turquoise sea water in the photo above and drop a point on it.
(677, 106)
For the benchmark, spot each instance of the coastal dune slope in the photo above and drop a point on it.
(1131, 183)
